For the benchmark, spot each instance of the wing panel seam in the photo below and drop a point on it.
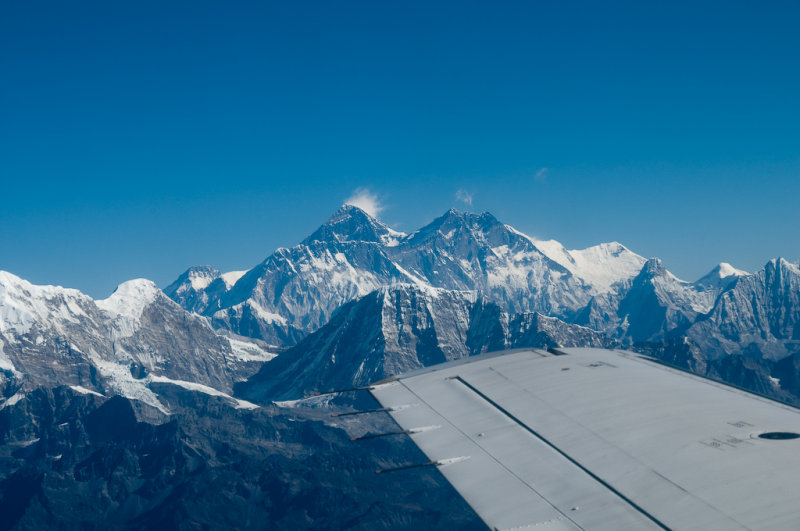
(489, 454)
(533, 432)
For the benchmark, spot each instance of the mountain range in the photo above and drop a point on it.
(174, 373)
(357, 300)
(295, 291)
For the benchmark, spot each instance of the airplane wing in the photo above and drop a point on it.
(601, 439)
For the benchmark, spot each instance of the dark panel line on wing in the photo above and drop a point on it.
(489, 454)
(533, 432)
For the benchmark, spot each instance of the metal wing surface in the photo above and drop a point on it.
(600, 439)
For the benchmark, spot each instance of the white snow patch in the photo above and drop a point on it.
(605, 264)
(131, 298)
(726, 270)
(23, 305)
(127, 304)
(414, 278)
(312, 401)
(13, 399)
(599, 266)
(200, 282)
(193, 386)
(123, 383)
(266, 316)
(5, 362)
(84, 391)
(246, 351)
(555, 252)
(392, 238)
(232, 277)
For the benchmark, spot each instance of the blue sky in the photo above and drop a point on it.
(137, 140)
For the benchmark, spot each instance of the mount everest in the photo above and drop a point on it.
(295, 291)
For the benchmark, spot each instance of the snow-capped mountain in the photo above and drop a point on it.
(396, 329)
(197, 285)
(656, 303)
(466, 251)
(386, 301)
(759, 315)
(602, 267)
(351, 224)
(52, 336)
(720, 278)
(296, 290)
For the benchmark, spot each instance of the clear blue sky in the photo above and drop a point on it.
(139, 138)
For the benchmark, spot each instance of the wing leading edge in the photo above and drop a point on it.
(598, 439)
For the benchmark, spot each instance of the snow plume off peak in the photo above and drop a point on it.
(367, 201)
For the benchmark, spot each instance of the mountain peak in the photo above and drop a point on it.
(468, 217)
(200, 276)
(781, 266)
(351, 223)
(454, 220)
(131, 298)
(724, 269)
(654, 267)
(720, 277)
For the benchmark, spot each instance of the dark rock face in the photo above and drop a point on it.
(187, 290)
(78, 461)
(657, 303)
(398, 329)
(539, 331)
(389, 331)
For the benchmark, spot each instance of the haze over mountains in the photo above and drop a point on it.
(353, 303)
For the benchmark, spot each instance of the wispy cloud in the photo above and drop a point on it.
(464, 196)
(541, 175)
(366, 200)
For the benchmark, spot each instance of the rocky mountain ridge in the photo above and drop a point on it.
(401, 328)
(607, 287)
(51, 336)
(295, 291)
(465, 282)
